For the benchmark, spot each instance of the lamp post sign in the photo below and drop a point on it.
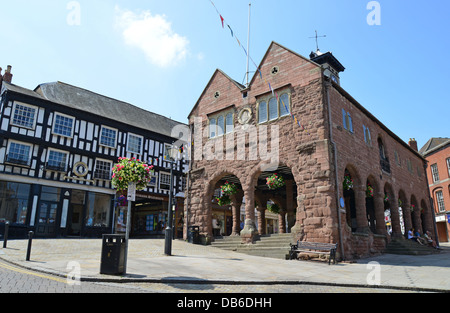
(132, 192)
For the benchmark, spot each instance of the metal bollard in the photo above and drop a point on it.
(5, 239)
(30, 240)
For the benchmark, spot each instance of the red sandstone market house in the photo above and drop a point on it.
(348, 178)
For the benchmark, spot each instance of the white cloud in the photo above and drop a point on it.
(152, 34)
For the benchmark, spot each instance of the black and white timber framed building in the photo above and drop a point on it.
(58, 144)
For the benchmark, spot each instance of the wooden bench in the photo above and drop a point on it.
(314, 247)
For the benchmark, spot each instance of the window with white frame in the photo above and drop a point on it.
(57, 160)
(135, 143)
(18, 153)
(164, 181)
(108, 137)
(24, 115)
(229, 127)
(367, 137)
(347, 121)
(440, 200)
(63, 125)
(221, 123)
(103, 169)
(448, 166)
(434, 173)
(274, 108)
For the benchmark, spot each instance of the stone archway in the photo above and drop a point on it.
(285, 196)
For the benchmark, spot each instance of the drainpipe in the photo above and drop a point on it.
(327, 86)
(433, 215)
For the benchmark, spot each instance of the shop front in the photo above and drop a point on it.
(149, 216)
(53, 212)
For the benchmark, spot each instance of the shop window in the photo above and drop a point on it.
(14, 202)
(98, 210)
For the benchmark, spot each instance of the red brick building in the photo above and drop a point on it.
(437, 153)
(348, 178)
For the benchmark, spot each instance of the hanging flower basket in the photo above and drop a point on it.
(274, 182)
(224, 200)
(369, 191)
(122, 201)
(131, 171)
(273, 208)
(229, 189)
(348, 182)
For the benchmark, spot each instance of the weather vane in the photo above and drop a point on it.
(317, 39)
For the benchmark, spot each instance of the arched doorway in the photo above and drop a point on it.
(280, 188)
(223, 204)
(349, 199)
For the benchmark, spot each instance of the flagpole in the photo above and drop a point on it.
(248, 43)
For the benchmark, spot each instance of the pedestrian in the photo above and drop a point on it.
(430, 240)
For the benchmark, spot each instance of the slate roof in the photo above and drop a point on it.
(434, 144)
(85, 100)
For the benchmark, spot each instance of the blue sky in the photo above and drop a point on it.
(159, 55)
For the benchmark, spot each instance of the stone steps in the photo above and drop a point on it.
(408, 247)
(272, 246)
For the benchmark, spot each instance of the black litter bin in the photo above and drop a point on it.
(113, 255)
(194, 235)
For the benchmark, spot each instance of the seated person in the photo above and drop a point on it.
(430, 240)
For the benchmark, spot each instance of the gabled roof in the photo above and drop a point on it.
(88, 101)
(239, 86)
(434, 144)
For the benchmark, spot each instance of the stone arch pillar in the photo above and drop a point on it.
(282, 222)
(236, 211)
(378, 199)
(360, 203)
(395, 216)
(290, 210)
(249, 233)
(406, 207)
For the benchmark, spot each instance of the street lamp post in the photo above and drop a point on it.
(173, 153)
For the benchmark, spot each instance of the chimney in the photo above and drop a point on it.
(1, 79)
(7, 77)
(413, 144)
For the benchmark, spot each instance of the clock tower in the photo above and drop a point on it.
(332, 67)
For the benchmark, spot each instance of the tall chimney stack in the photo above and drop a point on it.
(413, 144)
(7, 77)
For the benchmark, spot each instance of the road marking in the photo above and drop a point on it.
(22, 271)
